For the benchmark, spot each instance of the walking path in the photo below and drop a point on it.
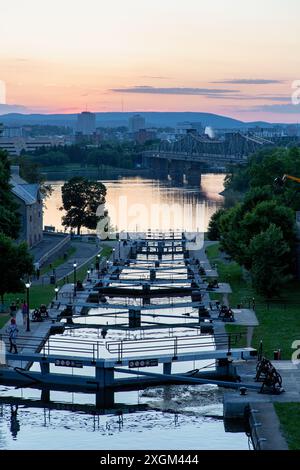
(85, 252)
(27, 341)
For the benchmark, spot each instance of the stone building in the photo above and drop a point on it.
(29, 199)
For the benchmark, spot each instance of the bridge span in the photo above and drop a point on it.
(186, 159)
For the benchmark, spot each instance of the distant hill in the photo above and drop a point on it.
(153, 119)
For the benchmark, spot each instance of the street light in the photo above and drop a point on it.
(74, 266)
(98, 263)
(114, 250)
(56, 292)
(27, 285)
(88, 273)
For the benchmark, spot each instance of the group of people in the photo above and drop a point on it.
(12, 329)
(16, 306)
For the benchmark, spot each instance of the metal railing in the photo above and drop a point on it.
(175, 344)
(47, 346)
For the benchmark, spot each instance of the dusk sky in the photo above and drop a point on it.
(233, 57)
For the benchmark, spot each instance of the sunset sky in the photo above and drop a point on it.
(231, 57)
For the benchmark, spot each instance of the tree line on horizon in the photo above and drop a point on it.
(117, 155)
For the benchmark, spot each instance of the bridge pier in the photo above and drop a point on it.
(158, 168)
(176, 170)
(45, 395)
(134, 318)
(193, 174)
(167, 368)
(105, 397)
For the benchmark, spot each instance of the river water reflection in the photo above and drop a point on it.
(137, 204)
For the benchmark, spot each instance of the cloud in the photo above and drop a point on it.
(155, 77)
(245, 97)
(250, 81)
(277, 108)
(13, 108)
(173, 91)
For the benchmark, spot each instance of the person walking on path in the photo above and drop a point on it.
(24, 312)
(13, 309)
(12, 335)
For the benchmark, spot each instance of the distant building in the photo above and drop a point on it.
(198, 126)
(12, 132)
(143, 135)
(29, 199)
(292, 130)
(269, 132)
(92, 139)
(136, 123)
(15, 145)
(86, 123)
(182, 128)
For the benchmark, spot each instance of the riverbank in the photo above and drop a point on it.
(279, 320)
(67, 172)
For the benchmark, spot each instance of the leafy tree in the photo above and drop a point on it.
(81, 199)
(270, 269)
(214, 225)
(15, 263)
(254, 215)
(9, 218)
(30, 171)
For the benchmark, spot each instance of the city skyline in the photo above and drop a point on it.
(230, 58)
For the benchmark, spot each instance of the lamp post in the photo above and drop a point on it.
(74, 267)
(56, 292)
(113, 253)
(27, 285)
(88, 274)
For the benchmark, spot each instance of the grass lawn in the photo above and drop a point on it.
(44, 294)
(59, 261)
(3, 319)
(279, 320)
(81, 273)
(289, 416)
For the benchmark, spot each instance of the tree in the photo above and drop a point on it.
(15, 263)
(30, 171)
(81, 199)
(214, 225)
(270, 269)
(254, 215)
(9, 217)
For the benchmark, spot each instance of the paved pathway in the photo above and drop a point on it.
(27, 341)
(84, 252)
(47, 244)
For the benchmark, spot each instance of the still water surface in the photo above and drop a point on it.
(139, 204)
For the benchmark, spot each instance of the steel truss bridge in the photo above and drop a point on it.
(193, 155)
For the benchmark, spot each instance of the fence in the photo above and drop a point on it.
(174, 344)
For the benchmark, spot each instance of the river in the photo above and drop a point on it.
(137, 204)
(175, 417)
